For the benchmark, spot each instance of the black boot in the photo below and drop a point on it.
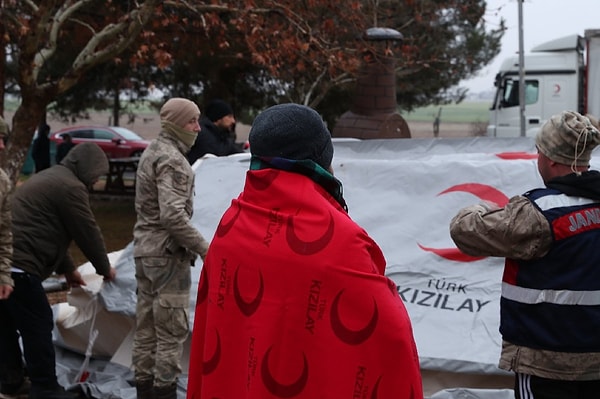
(15, 390)
(166, 392)
(51, 392)
(144, 389)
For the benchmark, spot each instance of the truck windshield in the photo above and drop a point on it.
(510, 95)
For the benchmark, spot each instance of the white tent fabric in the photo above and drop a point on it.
(404, 193)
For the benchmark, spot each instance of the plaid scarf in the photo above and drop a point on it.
(306, 167)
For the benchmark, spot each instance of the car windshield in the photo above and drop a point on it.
(126, 133)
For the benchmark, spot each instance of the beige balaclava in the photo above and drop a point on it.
(175, 114)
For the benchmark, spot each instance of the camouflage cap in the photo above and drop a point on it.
(594, 121)
(568, 138)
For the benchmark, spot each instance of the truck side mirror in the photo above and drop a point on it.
(497, 80)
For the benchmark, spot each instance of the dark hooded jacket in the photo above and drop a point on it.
(52, 208)
(586, 184)
(212, 140)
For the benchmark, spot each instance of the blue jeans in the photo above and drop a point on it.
(27, 314)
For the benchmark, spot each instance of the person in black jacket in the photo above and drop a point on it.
(49, 211)
(217, 134)
(40, 150)
(63, 148)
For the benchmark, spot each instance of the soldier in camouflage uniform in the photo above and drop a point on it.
(165, 245)
(6, 282)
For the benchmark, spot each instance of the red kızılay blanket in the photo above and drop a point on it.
(293, 303)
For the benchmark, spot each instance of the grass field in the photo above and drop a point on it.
(465, 112)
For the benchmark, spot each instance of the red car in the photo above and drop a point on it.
(115, 141)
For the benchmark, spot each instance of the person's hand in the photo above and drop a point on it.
(74, 279)
(112, 274)
(5, 291)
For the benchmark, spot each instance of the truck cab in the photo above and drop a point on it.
(554, 82)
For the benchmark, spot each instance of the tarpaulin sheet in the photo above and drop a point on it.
(404, 193)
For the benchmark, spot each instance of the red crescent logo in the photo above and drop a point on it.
(224, 228)
(211, 364)
(203, 289)
(351, 337)
(556, 88)
(247, 308)
(264, 179)
(454, 254)
(485, 193)
(282, 390)
(307, 247)
(516, 155)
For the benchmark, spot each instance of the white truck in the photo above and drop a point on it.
(562, 74)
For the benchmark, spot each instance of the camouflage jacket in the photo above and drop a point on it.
(164, 202)
(518, 230)
(5, 230)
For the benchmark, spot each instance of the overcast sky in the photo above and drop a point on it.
(543, 20)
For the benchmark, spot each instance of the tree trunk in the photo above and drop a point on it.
(26, 119)
(116, 106)
(2, 68)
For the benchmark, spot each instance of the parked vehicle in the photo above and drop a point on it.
(115, 141)
(562, 74)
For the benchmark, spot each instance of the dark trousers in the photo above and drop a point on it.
(27, 314)
(532, 387)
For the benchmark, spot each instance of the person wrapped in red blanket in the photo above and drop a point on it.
(292, 300)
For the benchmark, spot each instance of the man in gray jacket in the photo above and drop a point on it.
(165, 245)
(49, 211)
